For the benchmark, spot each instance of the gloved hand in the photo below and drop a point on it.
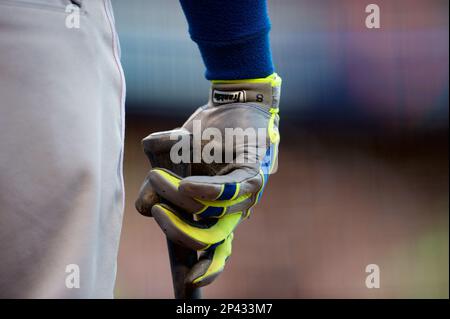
(227, 179)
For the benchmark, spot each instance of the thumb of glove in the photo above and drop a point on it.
(159, 149)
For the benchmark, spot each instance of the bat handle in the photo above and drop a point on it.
(181, 261)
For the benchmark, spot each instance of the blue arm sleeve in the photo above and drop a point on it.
(233, 37)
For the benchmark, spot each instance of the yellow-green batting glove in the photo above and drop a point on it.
(234, 150)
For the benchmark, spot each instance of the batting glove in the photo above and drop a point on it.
(220, 193)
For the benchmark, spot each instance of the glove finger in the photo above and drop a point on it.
(211, 264)
(237, 183)
(165, 184)
(196, 235)
(146, 199)
(218, 209)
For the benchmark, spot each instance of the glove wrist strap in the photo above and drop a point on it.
(265, 91)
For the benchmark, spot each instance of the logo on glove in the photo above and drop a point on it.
(225, 97)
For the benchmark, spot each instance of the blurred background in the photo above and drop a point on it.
(363, 172)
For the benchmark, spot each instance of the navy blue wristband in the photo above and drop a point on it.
(233, 37)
